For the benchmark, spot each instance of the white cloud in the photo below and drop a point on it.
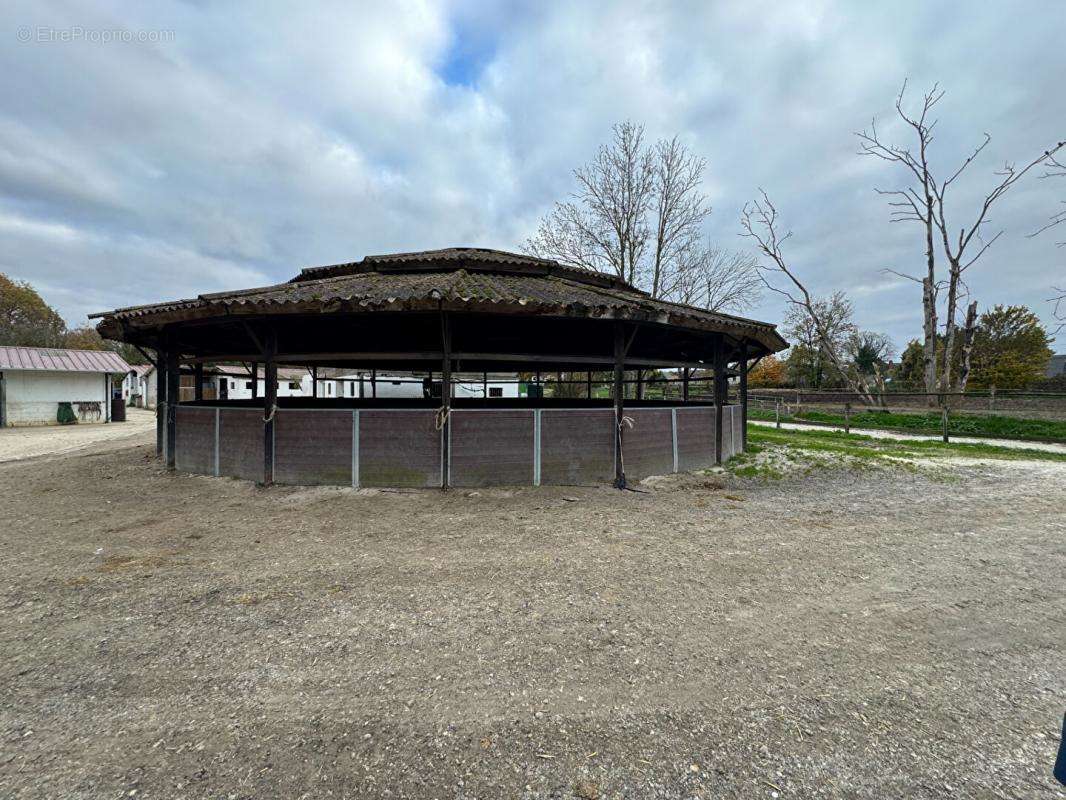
(264, 138)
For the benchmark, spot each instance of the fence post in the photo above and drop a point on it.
(847, 418)
(992, 399)
(944, 418)
(777, 412)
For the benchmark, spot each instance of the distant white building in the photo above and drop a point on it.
(135, 386)
(360, 384)
(36, 381)
(235, 383)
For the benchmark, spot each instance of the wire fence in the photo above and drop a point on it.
(1035, 416)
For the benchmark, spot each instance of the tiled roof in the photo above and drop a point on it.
(46, 359)
(473, 278)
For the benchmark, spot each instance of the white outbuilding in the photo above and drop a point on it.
(35, 381)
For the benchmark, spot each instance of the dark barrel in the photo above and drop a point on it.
(118, 409)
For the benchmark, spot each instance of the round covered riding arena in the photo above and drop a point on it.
(457, 367)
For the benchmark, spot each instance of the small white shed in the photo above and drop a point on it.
(35, 380)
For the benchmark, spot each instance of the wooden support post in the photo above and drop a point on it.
(373, 383)
(777, 413)
(619, 403)
(744, 396)
(847, 418)
(314, 381)
(684, 385)
(443, 421)
(588, 384)
(944, 418)
(255, 379)
(720, 390)
(198, 381)
(160, 400)
(485, 384)
(640, 384)
(270, 404)
(173, 382)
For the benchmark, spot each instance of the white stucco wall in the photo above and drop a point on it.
(32, 397)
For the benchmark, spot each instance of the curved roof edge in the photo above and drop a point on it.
(462, 278)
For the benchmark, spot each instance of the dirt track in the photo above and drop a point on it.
(43, 440)
(865, 634)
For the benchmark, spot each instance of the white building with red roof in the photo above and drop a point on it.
(36, 381)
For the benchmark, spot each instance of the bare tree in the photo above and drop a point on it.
(679, 211)
(837, 319)
(604, 226)
(639, 213)
(924, 202)
(915, 203)
(714, 278)
(759, 222)
(1055, 169)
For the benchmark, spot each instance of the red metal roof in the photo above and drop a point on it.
(57, 360)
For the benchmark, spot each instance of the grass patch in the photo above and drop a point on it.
(958, 424)
(869, 448)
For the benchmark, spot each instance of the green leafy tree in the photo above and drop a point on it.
(26, 320)
(910, 373)
(85, 338)
(1010, 349)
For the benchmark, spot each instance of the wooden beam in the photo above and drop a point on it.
(270, 405)
(720, 389)
(445, 394)
(173, 384)
(619, 402)
(684, 385)
(160, 401)
(198, 381)
(255, 379)
(432, 355)
(314, 381)
(744, 396)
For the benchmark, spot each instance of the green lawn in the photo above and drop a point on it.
(958, 424)
(868, 447)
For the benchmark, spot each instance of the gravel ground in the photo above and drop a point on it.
(879, 633)
(30, 442)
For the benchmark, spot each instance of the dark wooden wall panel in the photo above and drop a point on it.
(648, 447)
(399, 448)
(313, 447)
(577, 447)
(240, 437)
(695, 438)
(738, 430)
(194, 442)
(492, 448)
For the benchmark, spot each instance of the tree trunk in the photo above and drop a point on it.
(955, 275)
(929, 347)
(967, 344)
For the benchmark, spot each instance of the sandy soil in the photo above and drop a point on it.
(30, 442)
(847, 634)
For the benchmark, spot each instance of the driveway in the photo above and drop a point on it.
(46, 440)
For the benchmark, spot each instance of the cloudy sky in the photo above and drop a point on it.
(224, 145)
